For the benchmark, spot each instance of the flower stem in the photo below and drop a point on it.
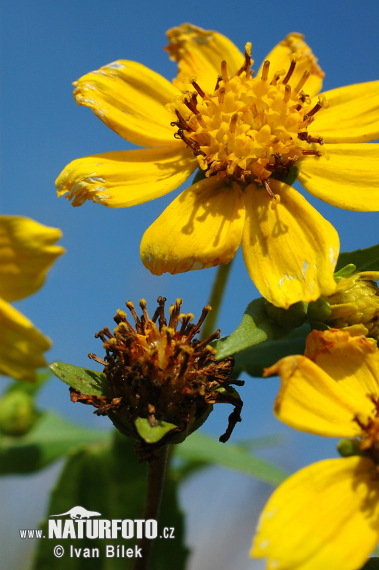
(215, 301)
(154, 492)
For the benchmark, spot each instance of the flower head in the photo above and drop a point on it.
(159, 376)
(251, 136)
(27, 251)
(327, 515)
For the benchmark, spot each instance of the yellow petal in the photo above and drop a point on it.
(201, 228)
(290, 250)
(130, 99)
(27, 251)
(325, 517)
(352, 361)
(310, 400)
(21, 345)
(352, 115)
(346, 177)
(199, 54)
(294, 47)
(126, 178)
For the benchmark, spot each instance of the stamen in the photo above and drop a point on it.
(191, 104)
(287, 93)
(181, 123)
(289, 72)
(97, 359)
(221, 95)
(304, 136)
(268, 189)
(195, 329)
(131, 308)
(302, 81)
(313, 111)
(142, 304)
(233, 123)
(159, 312)
(198, 89)
(219, 78)
(265, 70)
(311, 153)
(224, 72)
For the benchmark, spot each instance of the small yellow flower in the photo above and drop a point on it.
(327, 515)
(27, 251)
(248, 135)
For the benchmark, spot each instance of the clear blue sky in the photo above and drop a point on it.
(46, 46)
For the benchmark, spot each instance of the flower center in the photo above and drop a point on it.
(249, 129)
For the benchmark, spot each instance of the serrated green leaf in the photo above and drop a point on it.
(51, 438)
(203, 448)
(84, 380)
(364, 259)
(152, 434)
(254, 359)
(107, 478)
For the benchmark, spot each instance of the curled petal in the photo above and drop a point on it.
(347, 176)
(352, 114)
(311, 400)
(352, 361)
(21, 345)
(199, 54)
(201, 228)
(325, 516)
(290, 250)
(293, 47)
(126, 178)
(130, 99)
(27, 251)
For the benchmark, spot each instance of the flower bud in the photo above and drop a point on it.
(17, 413)
(353, 307)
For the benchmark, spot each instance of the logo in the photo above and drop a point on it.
(79, 513)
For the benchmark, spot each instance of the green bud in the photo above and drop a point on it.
(17, 413)
(348, 447)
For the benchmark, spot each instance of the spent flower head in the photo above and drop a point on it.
(161, 382)
(327, 515)
(251, 136)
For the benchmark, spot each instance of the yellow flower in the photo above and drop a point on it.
(248, 135)
(27, 251)
(327, 515)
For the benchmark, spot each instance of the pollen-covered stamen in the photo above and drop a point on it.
(237, 130)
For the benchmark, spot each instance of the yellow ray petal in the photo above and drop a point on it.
(27, 251)
(290, 250)
(326, 516)
(346, 177)
(310, 400)
(352, 115)
(352, 361)
(199, 54)
(21, 345)
(130, 99)
(294, 47)
(126, 178)
(201, 228)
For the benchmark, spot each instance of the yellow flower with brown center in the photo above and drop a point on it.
(327, 515)
(27, 251)
(249, 135)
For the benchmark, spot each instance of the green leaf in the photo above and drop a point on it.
(261, 322)
(84, 380)
(364, 259)
(107, 478)
(51, 438)
(152, 434)
(254, 359)
(204, 449)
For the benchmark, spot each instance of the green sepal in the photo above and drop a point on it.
(291, 176)
(199, 176)
(86, 381)
(348, 447)
(153, 434)
(364, 259)
(345, 271)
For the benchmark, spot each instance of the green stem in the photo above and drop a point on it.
(154, 492)
(215, 301)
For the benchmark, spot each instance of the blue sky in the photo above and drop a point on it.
(46, 46)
